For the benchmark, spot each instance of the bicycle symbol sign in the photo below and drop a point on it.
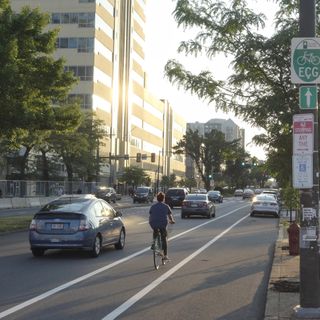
(305, 60)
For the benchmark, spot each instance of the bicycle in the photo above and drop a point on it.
(308, 58)
(157, 250)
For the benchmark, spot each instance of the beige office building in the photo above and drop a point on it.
(103, 43)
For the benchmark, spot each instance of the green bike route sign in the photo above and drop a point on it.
(308, 97)
(305, 60)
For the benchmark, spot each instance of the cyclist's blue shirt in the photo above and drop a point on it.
(158, 215)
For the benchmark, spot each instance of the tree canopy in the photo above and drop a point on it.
(208, 152)
(259, 90)
(32, 82)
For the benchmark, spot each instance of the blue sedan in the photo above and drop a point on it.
(76, 222)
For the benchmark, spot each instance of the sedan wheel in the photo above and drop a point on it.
(96, 249)
(122, 238)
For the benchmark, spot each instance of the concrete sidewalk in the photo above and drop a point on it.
(283, 290)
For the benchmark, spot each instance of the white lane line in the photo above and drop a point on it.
(68, 284)
(93, 273)
(127, 304)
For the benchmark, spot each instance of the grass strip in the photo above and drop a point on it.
(15, 223)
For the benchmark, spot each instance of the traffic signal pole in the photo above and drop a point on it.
(309, 307)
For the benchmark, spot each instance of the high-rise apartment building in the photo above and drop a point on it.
(102, 42)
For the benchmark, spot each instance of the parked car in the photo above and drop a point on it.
(247, 194)
(265, 204)
(215, 196)
(76, 222)
(106, 193)
(273, 192)
(197, 204)
(238, 193)
(175, 196)
(257, 191)
(143, 194)
(118, 196)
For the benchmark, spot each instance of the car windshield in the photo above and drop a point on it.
(142, 190)
(214, 192)
(196, 197)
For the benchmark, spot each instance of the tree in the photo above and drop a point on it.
(208, 152)
(77, 148)
(260, 89)
(134, 176)
(32, 83)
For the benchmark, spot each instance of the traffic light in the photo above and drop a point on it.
(153, 157)
(138, 157)
(210, 176)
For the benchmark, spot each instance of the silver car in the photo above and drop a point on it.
(76, 222)
(265, 204)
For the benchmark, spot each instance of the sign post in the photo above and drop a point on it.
(305, 70)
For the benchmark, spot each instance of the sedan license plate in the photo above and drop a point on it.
(57, 226)
(194, 205)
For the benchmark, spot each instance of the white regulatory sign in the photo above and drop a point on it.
(302, 171)
(303, 133)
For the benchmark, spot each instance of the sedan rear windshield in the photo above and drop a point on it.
(66, 205)
(196, 197)
(175, 192)
(265, 197)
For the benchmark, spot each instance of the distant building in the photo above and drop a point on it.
(228, 127)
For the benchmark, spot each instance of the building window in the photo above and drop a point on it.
(85, 73)
(83, 19)
(82, 44)
(85, 45)
(85, 100)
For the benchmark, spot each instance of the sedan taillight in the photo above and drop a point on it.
(33, 225)
(84, 225)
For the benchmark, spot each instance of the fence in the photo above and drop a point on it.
(29, 188)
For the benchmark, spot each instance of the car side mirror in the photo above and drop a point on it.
(118, 214)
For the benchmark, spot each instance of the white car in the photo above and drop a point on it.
(265, 204)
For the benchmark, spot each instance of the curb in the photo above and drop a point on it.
(280, 303)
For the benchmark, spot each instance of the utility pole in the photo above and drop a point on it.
(307, 48)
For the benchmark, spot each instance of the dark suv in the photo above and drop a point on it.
(143, 194)
(107, 194)
(175, 196)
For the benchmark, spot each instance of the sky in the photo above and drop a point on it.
(162, 39)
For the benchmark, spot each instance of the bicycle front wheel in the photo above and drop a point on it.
(157, 255)
(157, 259)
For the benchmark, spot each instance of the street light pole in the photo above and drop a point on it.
(309, 249)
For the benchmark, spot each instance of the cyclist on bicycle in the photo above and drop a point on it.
(159, 214)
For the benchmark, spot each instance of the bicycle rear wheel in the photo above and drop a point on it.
(157, 253)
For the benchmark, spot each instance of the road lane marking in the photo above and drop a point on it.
(93, 273)
(131, 301)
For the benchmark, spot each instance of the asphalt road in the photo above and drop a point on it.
(219, 270)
